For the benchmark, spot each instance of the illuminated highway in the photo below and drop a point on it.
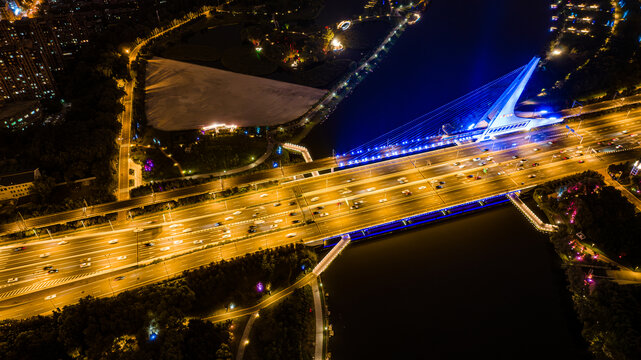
(381, 189)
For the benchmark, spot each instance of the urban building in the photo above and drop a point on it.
(29, 54)
(14, 186)
(19, 115)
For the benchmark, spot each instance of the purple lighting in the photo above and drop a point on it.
(260, 287)
(149, 165)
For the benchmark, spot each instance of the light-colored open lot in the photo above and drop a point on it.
(182, 96)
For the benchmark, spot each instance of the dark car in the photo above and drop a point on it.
(149, 244)
(439, 186)
(291, 203)
(48, 267)
(295, 221)
(292, 214)
(251, 230)
(52, 271)
(19, 248)
(316, 213)
(119, 278)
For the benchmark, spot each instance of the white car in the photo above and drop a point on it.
(229, 218)
(63, 242)
(50, 297)
(382, 200)
(113, 241)
(164, 248)
(422, 187)
(187, 230)
(273, 226)
(196, 242)
(137, 230)
(175, 225)
(323, 214)
(402, 180)
(258, 222)
(45, 255)
(371, 189)
(278, 221)
(178, 242)
(226, 236)
(123, 257)
(346, 191)
(315, 198)
(85, 264)
(291, 235)
(477, 159)
(237, 212)
(12, 280)
(264, 195)
(536, 149)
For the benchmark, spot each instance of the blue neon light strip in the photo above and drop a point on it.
(358, 234)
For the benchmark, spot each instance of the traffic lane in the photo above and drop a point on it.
(74, 255)
(126, 253)
(327, 161)
(421, 208)
(382, 184)
(35, 304)
(115, 206)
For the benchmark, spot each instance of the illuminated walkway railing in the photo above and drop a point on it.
(530, 215)
(336, 250)
(303, 151)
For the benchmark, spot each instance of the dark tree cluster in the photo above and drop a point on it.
(285, 331)
(610, 313)
(601, 212)
(235, 282)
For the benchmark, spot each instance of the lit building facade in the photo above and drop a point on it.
(15, 186)
(29, 53)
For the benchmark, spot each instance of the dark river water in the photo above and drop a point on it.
(484, 286)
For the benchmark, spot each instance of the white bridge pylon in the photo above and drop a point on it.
(500, 118)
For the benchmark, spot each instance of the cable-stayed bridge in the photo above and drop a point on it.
(479, 115)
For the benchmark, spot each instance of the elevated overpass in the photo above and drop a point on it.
(308, 210)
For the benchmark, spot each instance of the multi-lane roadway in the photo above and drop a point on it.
(91, 262)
